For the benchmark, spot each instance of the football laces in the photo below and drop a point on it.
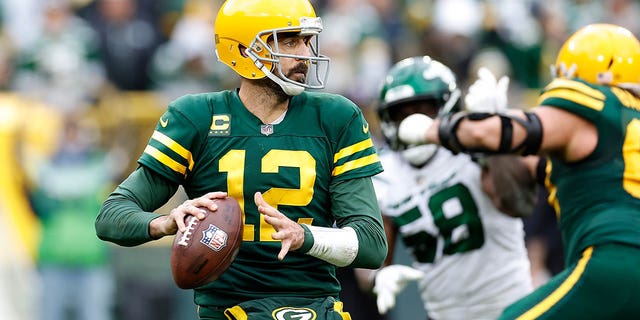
(191, 225)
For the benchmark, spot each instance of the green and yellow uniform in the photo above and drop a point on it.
(597, 201)
(314, 166)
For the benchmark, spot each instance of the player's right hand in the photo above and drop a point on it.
(289, 232)
(192, 207)
(389, 281)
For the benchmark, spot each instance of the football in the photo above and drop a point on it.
(207, 247)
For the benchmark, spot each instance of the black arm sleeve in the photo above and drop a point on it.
(355, 205)
(448, 127)
(125, 215)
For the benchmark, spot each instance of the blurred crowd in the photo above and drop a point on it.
(83, 81)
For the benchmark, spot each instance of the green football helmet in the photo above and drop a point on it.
(415, 85)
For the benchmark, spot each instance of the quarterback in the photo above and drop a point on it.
(298, 162)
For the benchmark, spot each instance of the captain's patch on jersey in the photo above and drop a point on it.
(214, 238)
(220, 125)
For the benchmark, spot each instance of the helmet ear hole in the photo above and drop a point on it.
(243, 51)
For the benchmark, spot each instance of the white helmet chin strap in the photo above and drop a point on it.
(290, 88)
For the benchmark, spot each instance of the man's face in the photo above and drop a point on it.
(427, 107)
(293, 44)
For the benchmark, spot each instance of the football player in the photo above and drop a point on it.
(587, 124)
(297, 161)
(469, 258)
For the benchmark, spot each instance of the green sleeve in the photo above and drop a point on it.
(355, 206)
(125, 215)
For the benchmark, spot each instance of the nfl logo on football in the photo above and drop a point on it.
(214, 238)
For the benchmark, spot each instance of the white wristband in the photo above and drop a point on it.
(336, 246)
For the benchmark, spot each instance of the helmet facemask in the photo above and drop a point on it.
(266, 57)
(392, 115)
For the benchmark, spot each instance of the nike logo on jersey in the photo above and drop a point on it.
(365, 127)
(164, 122)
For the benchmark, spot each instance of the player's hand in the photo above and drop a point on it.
(389, 281)
(413, 129)
(289, 232)
(487, 94)
(170, 224)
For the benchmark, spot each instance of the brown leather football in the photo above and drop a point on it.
(208, 247)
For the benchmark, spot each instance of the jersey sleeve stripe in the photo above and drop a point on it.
(552, 199)
(573, 96)
(174, 146)
(166, 160)
(561, 83)
(355, 164)
(350, 150)
(626, 98)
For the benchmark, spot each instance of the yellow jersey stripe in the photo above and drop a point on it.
(355, 164)
(237, 313)
(174, 146)
(166, 160)
(631, 154)
(577, 97)
(307, 221)
(561, 291)
(552, 199)
(356, 147)
(561, 83)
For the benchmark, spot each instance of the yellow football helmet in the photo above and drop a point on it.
(243, 29)
(600, 54)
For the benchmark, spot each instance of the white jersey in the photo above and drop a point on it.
(473, 255)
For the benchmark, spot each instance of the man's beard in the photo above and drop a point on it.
(270, 85)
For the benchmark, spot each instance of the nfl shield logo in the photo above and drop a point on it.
(214, 238)
(266, 129)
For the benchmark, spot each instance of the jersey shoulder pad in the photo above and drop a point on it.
(199, 106)
(341, 121)
(184, 126)
(334, 109)
(576, 96)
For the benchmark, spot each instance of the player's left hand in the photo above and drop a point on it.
(288, 231)
(413, 129)
(487, 94)
(389, 281)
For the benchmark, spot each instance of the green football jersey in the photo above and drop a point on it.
(211, 142)
(597, 199)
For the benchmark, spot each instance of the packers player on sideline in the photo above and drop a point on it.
(469, 258)
(587, 124)
(297, 161)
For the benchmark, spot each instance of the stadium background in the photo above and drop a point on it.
(111, 67)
